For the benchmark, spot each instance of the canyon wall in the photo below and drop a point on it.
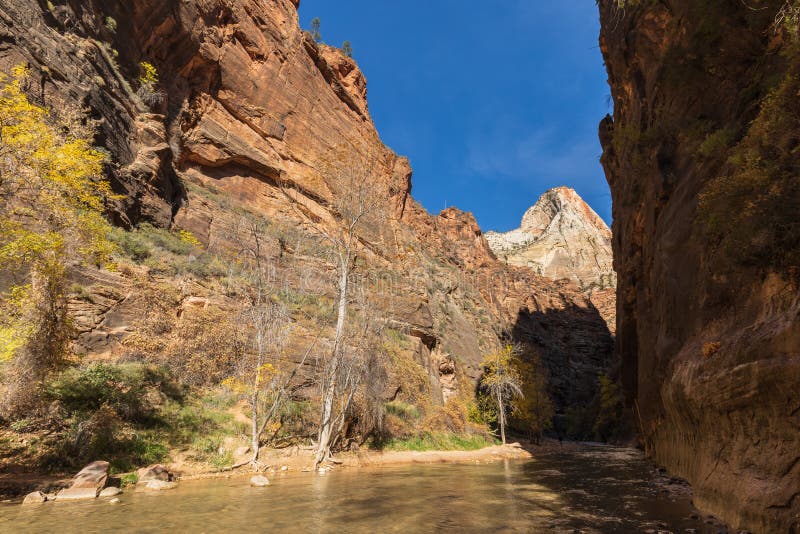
(249, 115)
(702, 158)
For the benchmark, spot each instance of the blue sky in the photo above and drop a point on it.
(493, 102)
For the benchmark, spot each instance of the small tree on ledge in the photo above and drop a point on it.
(315, 27)
(347, 49)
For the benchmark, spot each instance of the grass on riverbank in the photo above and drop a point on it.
(440, 441)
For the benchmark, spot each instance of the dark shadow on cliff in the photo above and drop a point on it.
(576, 348)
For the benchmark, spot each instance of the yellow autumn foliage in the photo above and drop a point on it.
(246, 386)
(52, 198)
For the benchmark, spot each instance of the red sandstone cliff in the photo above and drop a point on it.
(701, 156)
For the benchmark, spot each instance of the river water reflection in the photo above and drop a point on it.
(599, 489)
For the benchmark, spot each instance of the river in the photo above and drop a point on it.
(596, 489)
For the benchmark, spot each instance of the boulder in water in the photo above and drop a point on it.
(110, 492)
(75, 494)
(154, 472)
(159, 485)
(35, 497)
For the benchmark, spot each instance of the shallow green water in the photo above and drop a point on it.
(601, 489)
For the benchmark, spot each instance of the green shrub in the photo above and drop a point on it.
(139, 243)
(132, 244)
(22, 425)
(749, 212)
(123, 388)
(402, 409)
(717, 143)
(128, 479)
(175, 242)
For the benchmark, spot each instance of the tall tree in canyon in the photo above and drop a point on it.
(533, 411)
(262, 378)
(357, 205)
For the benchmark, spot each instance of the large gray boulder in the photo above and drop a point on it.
(87, 483)
(93, 475)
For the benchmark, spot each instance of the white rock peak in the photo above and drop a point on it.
(560, 237)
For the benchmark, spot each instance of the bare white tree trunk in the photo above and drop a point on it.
(329, 387)
(502, 415)
(254, 432)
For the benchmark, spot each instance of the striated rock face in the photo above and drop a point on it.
(702, 162)
(560, 237)
(253, 112)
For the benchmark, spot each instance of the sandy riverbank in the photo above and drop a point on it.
(297, 460)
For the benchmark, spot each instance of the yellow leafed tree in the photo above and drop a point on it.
(502, 382)
(52, 198)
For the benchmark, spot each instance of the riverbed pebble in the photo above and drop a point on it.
(110, 491)
(159, 485)
(259, 481)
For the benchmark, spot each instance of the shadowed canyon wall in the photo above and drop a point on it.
(702, 158)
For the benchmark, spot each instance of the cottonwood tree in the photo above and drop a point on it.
(357, 205)
(534, 410)
(362, 373)
(260, 378)
(502, 382)
(52, 199)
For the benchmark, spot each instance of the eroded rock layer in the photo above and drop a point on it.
(701, 156)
